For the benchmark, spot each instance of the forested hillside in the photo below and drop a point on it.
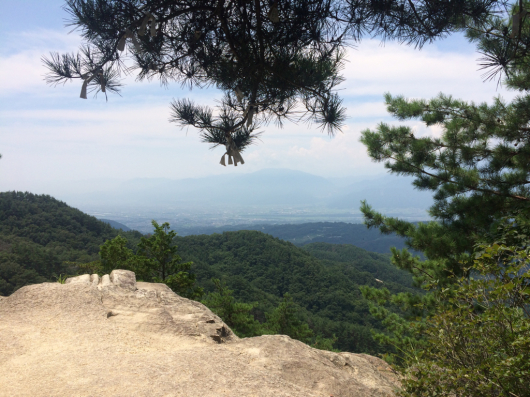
(261, 268)
(362, 260)
(305, 233)
(38, 234)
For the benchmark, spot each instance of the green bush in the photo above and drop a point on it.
(477, 343)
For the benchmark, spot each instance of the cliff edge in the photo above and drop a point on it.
(113, 336)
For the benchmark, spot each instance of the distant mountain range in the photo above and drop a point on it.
(268, 188)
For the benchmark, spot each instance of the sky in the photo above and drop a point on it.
(50, 137)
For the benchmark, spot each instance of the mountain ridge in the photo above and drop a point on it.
(267, 188)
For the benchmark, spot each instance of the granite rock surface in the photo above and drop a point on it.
(113, 336)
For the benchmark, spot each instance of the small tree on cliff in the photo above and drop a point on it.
(156, 261)
(163, 265)
(236, 315)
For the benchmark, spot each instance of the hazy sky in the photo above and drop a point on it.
(50, 136)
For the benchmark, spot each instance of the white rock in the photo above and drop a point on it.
(94, 279)
(123, 279)
(83, 279)
(105, 281)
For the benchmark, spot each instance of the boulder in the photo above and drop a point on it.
(124, 338)
(123, 279)
(83, 279)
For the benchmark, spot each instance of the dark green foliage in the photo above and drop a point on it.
(13, 276)
(469, 335)
(505, 46)
(477, 341)
(235, 314)
(114, 254)
(478, 167)
(260, 268)
(19, 261)
(274, 61)
(24, 262)
(160, 251)
(41, 238)
(86, 268)
(325, 232)
(50, 222)
(376, 264)
(479, 173)
(162, 264)
(478, 170)
(336, 233)
(285, 320)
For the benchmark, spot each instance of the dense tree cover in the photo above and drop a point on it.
(237, 315)
(23, 262)
(262, 269)
(114, 254)
(42, 237)
(274, 60)
(325, 232)
(45, 220)
(360, 259)
(285, 319)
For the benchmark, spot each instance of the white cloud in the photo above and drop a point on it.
(20, 58)
(374, 69)
(366, 110)
(50, 134)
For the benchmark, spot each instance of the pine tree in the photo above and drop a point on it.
(476, 341)
(479, 171)
(114, 254)
(162, 264)
(274, 60)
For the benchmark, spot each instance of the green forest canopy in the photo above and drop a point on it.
(304, 233)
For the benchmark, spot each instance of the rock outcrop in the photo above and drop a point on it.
(113, 336)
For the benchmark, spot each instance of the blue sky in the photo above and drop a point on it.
(50, 137)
